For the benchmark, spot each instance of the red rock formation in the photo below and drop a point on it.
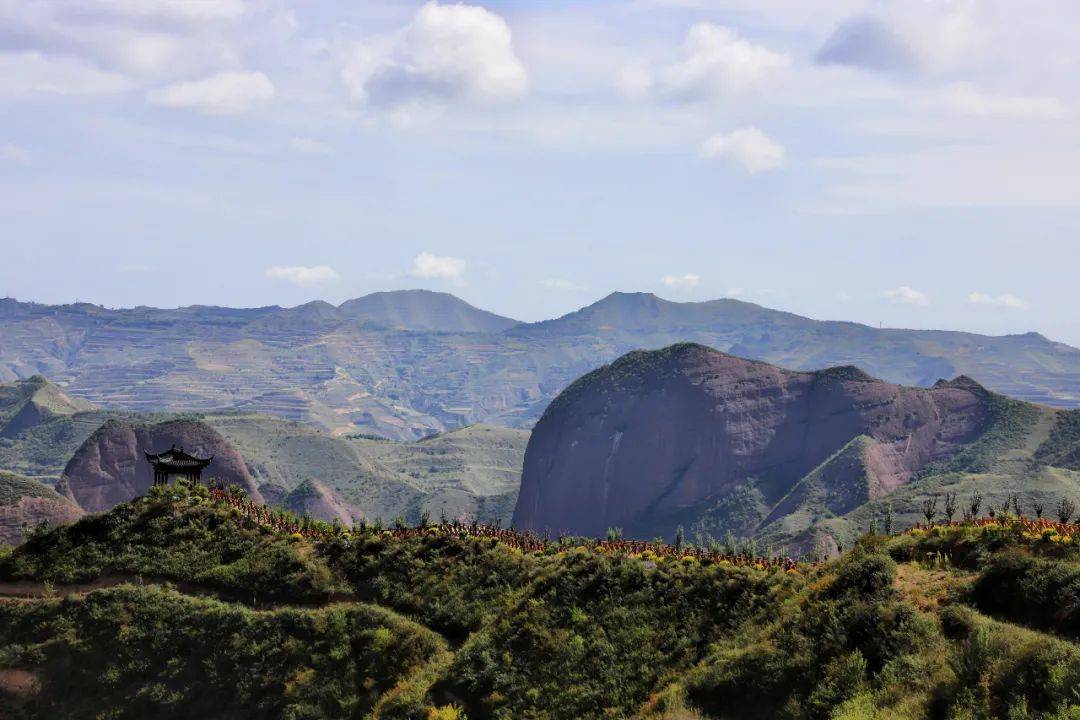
(639, 443)
(316, 500)
(109, 468)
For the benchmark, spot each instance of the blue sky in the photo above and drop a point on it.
(914, 163)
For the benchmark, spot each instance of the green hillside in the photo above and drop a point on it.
(473, 472)
(184, 605)
(1011, 458)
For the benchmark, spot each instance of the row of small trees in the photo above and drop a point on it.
(1065, 508)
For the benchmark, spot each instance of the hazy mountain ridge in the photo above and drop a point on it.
(404, 364)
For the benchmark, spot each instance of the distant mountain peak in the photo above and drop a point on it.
(424, 310)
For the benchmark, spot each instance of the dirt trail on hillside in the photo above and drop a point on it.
(35, 590)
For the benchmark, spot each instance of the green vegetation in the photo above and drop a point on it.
(1062, 448)
(13, 487)
(132, 652)
(181, 536)
(224, 617)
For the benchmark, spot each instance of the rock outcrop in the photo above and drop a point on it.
(314, 499)
(25, 502)
(647, 442)
(27, 403)
(110, 468)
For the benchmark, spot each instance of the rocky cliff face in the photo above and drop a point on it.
(109, 468)
(655, 437)
(25, 502)
(314, 499)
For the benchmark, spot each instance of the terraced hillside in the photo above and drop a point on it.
(403, 365)
(186, 605)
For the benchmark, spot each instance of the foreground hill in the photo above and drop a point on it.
(690, 436)
(405, 364)
(183, 605)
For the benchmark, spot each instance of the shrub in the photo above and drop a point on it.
(866, 576)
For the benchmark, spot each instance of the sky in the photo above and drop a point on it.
(909, 164)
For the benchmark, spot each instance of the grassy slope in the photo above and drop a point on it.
(14, 486)
(568, 633)
(1015, 455)
(474, 471)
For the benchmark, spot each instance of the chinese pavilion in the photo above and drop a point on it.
(176, 462)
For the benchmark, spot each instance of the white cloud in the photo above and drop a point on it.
(558, 284)
(843, 296)
(310, 146)
(302, 275)
(748, 146)
(426, 265)
(169, 11)
(681, 282)
(1005, 301)
(718, 63)
(966, 99)
(446, 52)
(227, 93)
(33, 73)
(9, 152)
(905, 295)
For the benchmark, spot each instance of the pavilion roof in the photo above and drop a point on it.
(178, 459)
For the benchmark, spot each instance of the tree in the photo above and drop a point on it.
(889, 519)
(950, 505)
(679, 537)
(974, 503)
(1038, 507)
(929, 509)
(1018, 508)
(1065, 509)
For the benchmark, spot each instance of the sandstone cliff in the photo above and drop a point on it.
(314, 499)
(656, 438)
(25, 502)
(109, 468)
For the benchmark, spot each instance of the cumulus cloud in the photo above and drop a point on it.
(228, 93)
(681, 282)
(717, 64)
(148, 39)
(302, 275)
(748, 147)
(1004, 302)
(33, 73)
(905, 295)
(868, 43)
(966, 99)
(310, 146)
(446, 52)
(427, 265)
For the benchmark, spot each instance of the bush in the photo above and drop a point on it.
(1041, 593)
(869, 576)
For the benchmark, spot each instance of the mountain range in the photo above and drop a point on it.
(405, 364)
